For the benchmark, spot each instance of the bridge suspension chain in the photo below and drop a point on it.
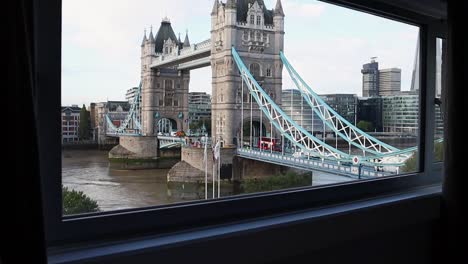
(343, 128)
(334, 121)
(133, 117)
(283, 123)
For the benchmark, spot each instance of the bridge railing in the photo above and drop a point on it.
(311, 164)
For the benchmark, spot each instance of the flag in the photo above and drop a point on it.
(216, 151)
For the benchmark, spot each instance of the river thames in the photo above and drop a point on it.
(89, 171)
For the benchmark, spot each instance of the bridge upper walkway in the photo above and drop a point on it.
(189, 58)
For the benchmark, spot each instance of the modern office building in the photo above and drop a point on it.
(370, 78)
(369, 109)
(382, 82)
(199, 106)
(344, 104)
(389, 81)
(400, 113)
(70, 123)
(294, 105)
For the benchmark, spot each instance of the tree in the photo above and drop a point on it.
(74, 202)
(83, 130)
(365, 126)
(411, 165)
(276, 182)
(439, 151)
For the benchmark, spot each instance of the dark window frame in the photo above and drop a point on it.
(162, 219)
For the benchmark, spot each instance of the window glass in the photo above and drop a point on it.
(146, 131)
(441, 57)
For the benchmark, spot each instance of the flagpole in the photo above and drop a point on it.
(213, 167)
(213, 177)
(206, 168)
(219, 175)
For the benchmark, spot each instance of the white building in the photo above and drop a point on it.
(130, 95)
(199, 106)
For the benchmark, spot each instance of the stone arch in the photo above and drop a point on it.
(255, 129)
(165, 125)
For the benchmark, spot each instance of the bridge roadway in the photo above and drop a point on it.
(311, 164)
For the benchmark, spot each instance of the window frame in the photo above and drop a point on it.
(174, 217)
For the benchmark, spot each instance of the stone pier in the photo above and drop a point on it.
(142, 152)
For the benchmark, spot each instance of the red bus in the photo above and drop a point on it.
(268, 143)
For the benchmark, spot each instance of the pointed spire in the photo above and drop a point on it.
(231, 4)
(186, 40)
(144, 39)
(179, 40)
(279, 9)
(215, 7)
(151, 38)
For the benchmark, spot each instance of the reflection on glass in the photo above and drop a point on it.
(154, 117)
(438, 110)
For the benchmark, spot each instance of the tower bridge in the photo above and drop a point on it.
(245, 53)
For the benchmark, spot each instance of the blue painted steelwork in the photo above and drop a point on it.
(343, 127)
(170, 142)
(334, 121)
(133, 117)
(283, 123)
(330, 166)
(313, 146)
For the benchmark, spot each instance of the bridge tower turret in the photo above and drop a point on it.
(257, 34)
(164, 102)
(148, 53)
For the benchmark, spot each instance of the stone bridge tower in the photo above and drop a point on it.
(165, 90)
(257, 34)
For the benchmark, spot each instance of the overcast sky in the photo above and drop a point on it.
(326, 44)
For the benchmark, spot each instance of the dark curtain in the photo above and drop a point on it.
(454, 225)
(27, 244)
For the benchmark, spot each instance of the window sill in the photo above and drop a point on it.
(279, 235)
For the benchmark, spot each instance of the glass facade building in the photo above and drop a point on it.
(293, 105)
(199, 106)
(344, 104)
(369, 109)
(370, 79)
(400, 113)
